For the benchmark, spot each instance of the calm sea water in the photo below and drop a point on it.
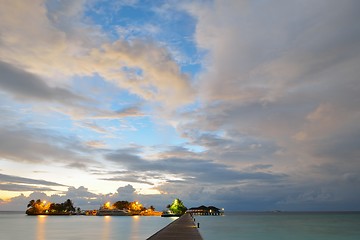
(247, 226)
(289, 226)
(18, 226)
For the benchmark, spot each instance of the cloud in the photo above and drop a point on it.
(273, 121)
(26, 85)
(15, 179)
(289, 86)
(191, 170)
(22, 188)
(277, 97)
(129, 177)
(81, 49)
(126, 190)
(29, 88)
(147, 70)
(95, 144)
(262, 56)
(34, 145)
(80, 192)
(22, 184)
(131, 111)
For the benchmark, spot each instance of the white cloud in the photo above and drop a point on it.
(59, 44)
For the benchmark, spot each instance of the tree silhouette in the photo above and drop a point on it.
(122, 205)
(31, 203)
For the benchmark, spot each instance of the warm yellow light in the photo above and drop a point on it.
(107, 205)
(44, 202)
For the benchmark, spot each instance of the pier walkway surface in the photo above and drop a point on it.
(182, 228)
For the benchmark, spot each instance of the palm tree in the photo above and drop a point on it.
(68, 205)
(31, 203)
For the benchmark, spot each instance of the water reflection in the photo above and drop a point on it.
(135, 225)
(41, 227)
(106, 227)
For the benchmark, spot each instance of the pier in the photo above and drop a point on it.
(182, 228)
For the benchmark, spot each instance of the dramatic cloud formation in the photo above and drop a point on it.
(58, 36)
(248, 105)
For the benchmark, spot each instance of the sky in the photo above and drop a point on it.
(244, 105)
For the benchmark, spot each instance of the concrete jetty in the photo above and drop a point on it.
(182, 228)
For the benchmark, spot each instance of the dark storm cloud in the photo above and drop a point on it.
(25, 85)
(15, 179)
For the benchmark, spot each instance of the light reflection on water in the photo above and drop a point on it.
(135, 225)
(41, 221)
(106, 227)
(20, 226)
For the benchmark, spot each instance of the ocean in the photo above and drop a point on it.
(283, 225)
(247, 226)
(18, 226)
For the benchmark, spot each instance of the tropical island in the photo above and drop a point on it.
(39, 207)
(119, 208)
(124, 208)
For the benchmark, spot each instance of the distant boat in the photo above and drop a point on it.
(113, 212)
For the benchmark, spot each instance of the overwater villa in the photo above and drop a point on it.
(203, 210)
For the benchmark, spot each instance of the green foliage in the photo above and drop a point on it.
(177, 207)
